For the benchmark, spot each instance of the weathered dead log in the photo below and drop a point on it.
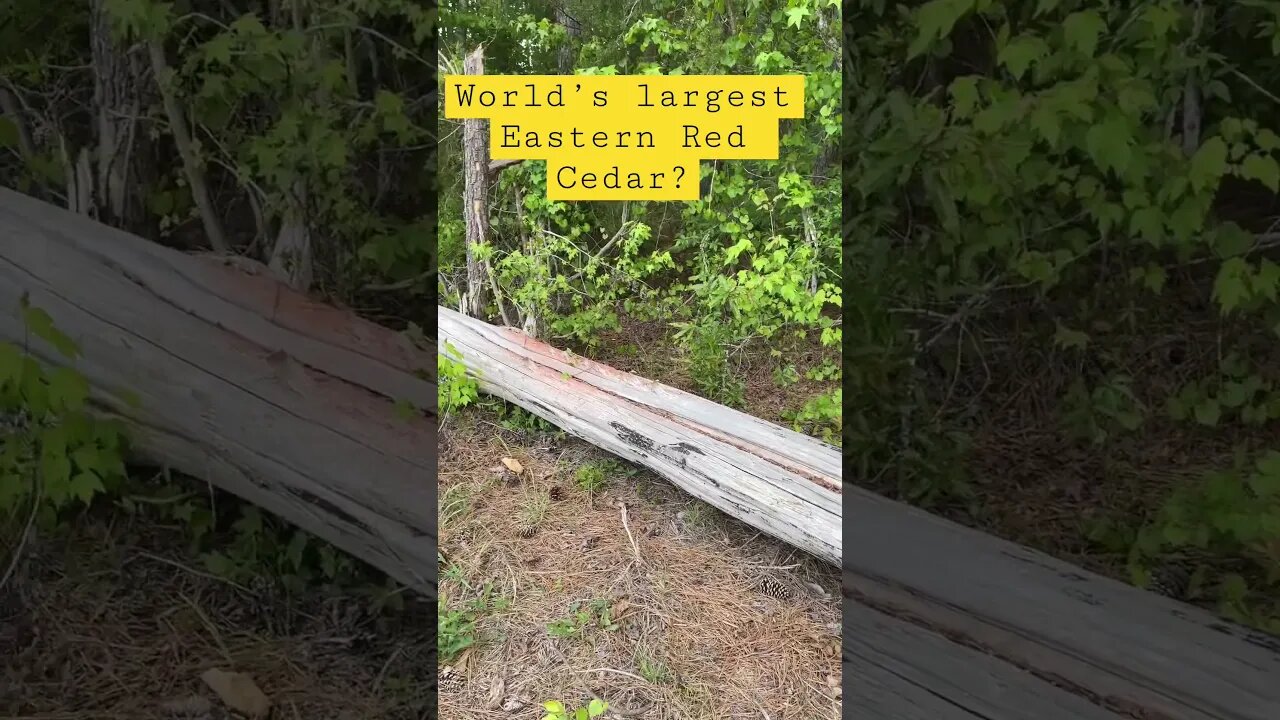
(774, 479)
(242, 382)
(1051, 624)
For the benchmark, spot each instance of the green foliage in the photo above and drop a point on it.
(583, 617)
(821, 416)
(1107, 410)
(1227, 514)
(652, 669)
(55, 450)
(1021, 172)
(591, 477)
(754, 262)
(457, 622)
(514, 417)
(556, 710)
(455, 389)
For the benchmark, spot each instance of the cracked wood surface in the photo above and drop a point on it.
(242, 382)
(781, 482)
(1133, 652)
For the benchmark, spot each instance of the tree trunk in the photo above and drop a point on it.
(242, 382)
(192, 165)
(117, 103)
(475, 201)
(779, 481)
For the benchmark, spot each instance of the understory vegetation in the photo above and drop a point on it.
(296, 135)
(738, 293)
(735, 297)
(1063, 289)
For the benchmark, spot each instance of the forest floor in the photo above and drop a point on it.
(628, 590)
(111, 618)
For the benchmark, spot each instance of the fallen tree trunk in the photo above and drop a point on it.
(776, 480)
(242, 382)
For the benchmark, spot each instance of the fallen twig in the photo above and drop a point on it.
(626, 526)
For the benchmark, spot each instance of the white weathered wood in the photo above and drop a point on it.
(777, 480)
(895, 670)
(1134, 651)
(243, 382)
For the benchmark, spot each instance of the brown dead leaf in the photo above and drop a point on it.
(619, 607)
(463, 663)
(495, 695)
(513, 465)
(237, 691)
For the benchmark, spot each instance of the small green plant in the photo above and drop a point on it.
(592, 476)
(457, 623)
(1233, 513)
(785, 375)
(556, 710)
(821, 416)
(1107, 410)
(455, 628)
(583, 617)
(708, 360)
(651, 669)
(455, 503)
(534, 508)
(514, 417)
(54, 449)
(456, 389)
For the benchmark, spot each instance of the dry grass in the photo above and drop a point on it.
(693, 639)
(110, 623)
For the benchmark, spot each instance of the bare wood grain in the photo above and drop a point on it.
(774, 479)
(242, 382)
(897, 670)
(1138, 653)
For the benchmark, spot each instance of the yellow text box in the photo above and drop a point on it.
(587, 178)
(632, 137)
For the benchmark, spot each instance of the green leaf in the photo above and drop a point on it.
(1262, 168)
(1147, 223)
(1082, 29)
(1208, 412)
(1230, 288)
(1152, 277)
(39, 323)
(1021, 52)
(796, 14)
(1044, 119)
(1208, 164)
(964, 95)
(1065, 337)
(55, 468)
(10, 363)
(934, 21)
(68, 389)
(84, 486)
(1266, 282)
(1044, 6)
(597, 707)
(1231, 240)
(1110, 144)
(553, 706)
